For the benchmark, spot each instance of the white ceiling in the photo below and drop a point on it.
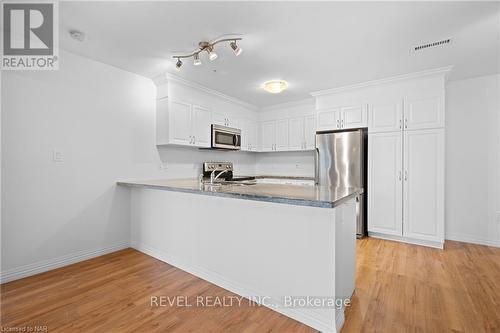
(312, 45)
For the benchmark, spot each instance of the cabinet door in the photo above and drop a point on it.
(385, 117)
(180, 123)
(310, 132)
(252, 135)
(268, 135)
(201, 120)
(219, 118)
(424, 185)
(353, 116)
(296, 133)
(423, 113)
(281, 142)
(328, 119)
(385, 187)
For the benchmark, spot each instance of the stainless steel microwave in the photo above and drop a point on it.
(226, 137)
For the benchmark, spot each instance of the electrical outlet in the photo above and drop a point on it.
(57, 155)
(297, 165)
(162, 166)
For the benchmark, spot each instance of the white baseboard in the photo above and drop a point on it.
(437, 245)
(50, 264)
(473, 240)
(300, 315)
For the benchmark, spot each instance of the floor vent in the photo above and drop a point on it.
(425, 46)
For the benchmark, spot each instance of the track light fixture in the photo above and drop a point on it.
(209, 48)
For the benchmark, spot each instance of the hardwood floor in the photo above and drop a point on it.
(399, 288)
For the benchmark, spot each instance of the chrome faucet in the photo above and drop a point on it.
(213, 178)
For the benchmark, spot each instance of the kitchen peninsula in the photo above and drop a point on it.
(268, 242)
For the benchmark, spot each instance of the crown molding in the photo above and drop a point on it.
(431, 72)
(168, 77)
(303, 102)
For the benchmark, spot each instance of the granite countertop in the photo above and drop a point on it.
(301, 195)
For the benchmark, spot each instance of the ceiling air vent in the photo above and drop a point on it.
(426, 46)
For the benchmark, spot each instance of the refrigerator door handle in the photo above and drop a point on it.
(316, 166)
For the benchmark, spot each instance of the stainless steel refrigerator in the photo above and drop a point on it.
(341, 158)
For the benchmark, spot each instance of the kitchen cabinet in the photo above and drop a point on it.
(343, 117)
(281, 140)
(424, 184)
(385, 116)
(296, 133)
(385, 187)
(224, 119)
(268, 135)
(301, 133)
(406, 185)
(201, 131)
(274, 135)
(248, 135)
(414, 113)
(181, 123)
(309, 132)
(423, 112)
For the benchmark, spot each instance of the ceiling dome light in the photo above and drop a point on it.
(275, 86)
(196, 60)
(236, 49)
(211, 53)
(178, 64)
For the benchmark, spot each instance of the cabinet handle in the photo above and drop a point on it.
(194, 139)
(400, 124)
(190, 139)
(399, 176)
(338, 123)
(406, 122)
(406, 175)
(342, 123)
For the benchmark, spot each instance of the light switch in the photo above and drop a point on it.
(57, 155)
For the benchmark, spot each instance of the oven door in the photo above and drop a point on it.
(226, 139)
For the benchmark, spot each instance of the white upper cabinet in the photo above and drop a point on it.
(296, 133)
(180, 123)
(309, 132)
(385, 197)
(248, 134)
(268, 135)
(385, 117)
(201, 131)
(328, 119)
(281, 135)
(424, 185)
(353, 116)
(423, 112)
(343, 117)
(219, 118)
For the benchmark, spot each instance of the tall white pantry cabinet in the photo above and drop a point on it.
(405, 154)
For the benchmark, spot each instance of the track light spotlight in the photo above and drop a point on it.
(196, 60)
(236, 49)
(178, 64)
(211, 53)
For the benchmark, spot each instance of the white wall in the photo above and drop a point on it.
(473, 160)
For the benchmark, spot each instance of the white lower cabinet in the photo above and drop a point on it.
(385, 188)
(406, 186)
